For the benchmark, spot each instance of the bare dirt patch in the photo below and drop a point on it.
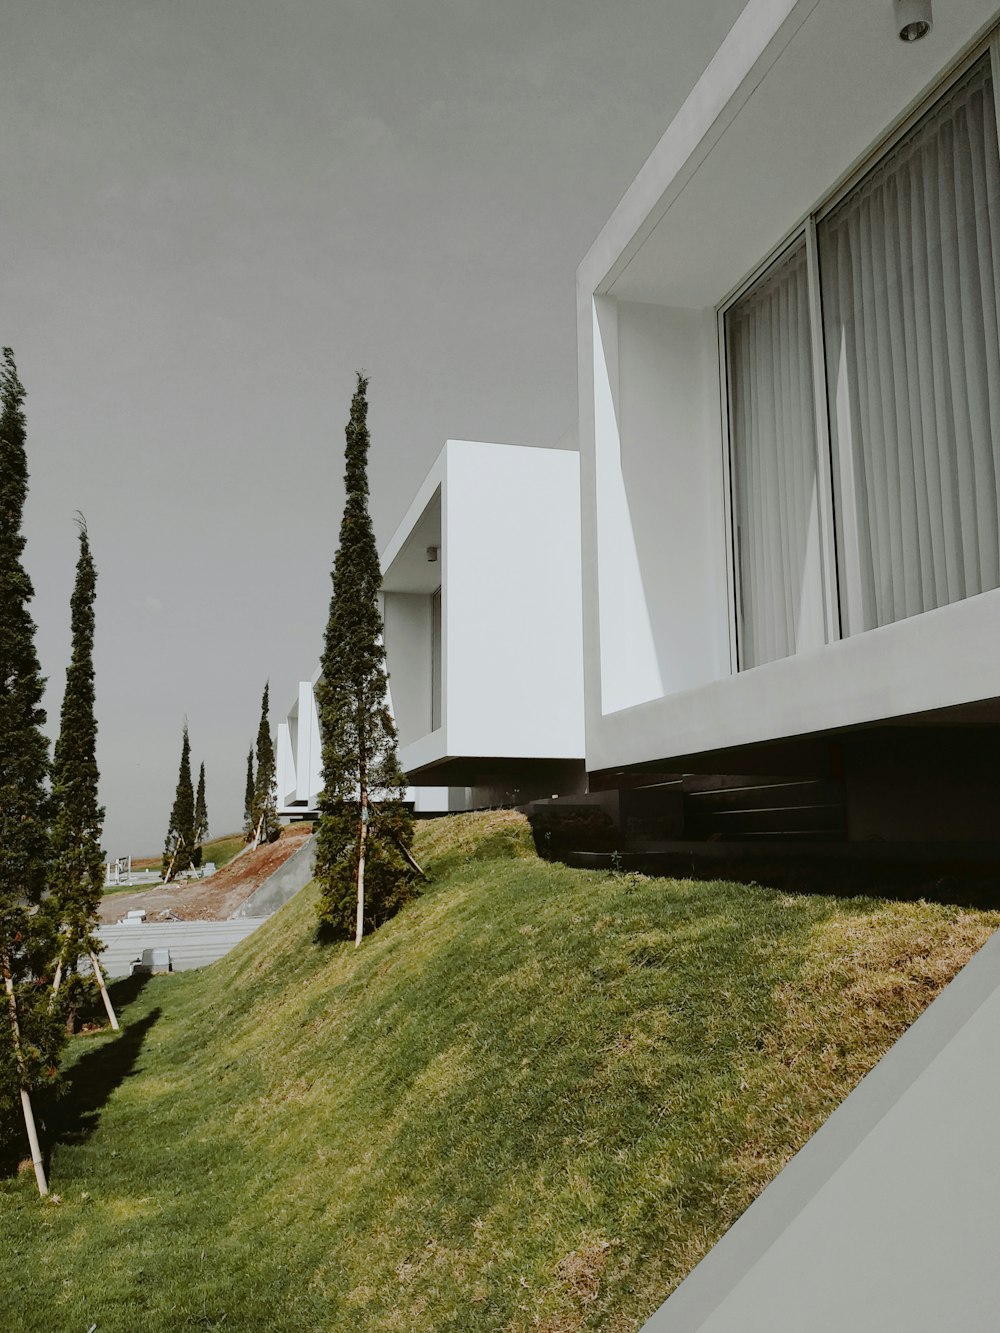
(215, 898)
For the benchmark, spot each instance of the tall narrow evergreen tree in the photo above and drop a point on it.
(365, 830)
(200, 815)
(249, 819)
(265, 804)
(178, 850)
(77, 870)
(29, 1035)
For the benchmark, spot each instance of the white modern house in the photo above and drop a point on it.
(482, 612)
(789, 369)
(483, 635)
(299, 763)
(298, 760)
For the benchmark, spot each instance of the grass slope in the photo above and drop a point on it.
(532, 1101)
(222, 850)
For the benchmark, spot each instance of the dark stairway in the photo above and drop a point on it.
(774, 809)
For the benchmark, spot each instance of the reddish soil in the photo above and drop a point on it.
(215, 898)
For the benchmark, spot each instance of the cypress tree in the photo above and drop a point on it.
(178, 850)
(77, 872)
(29, 1035)
(365, 830)
(249, 819)
(265, 803)
(200, 815)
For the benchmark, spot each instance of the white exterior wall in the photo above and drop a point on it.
(505, 521)
(299, 761)
(408, 652)
(511, 608)
(284, 756)
(298, 757)
(798, 95)
(660, 531)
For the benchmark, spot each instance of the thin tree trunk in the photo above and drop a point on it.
(29, 1115)
(173, 861)
(257, 832)
(109, 1007)
(409, 858)
(57, 979)
(359, 929)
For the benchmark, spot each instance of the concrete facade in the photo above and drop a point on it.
(799, 96)
(482, 605)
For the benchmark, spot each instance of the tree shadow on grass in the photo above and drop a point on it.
(74, 1116)
(90, 1083)
(125, 990)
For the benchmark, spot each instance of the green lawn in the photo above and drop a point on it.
(532, 1101)
(220, 850)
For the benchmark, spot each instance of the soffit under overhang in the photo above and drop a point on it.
(786, 137)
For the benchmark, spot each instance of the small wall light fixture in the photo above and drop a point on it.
(432, 555)
(913, 19)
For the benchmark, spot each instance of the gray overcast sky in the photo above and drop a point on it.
(213, 212)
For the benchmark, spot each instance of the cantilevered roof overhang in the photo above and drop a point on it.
(791, 103)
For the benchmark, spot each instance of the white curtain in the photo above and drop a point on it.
(908, 275)
(773, 437)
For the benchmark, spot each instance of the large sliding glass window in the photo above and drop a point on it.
(908, 275)
(773, 438)
(906, 272)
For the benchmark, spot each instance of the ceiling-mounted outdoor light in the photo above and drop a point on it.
(913, 19)
(432, 554)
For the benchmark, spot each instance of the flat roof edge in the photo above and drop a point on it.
(414, 512)
(753, 43)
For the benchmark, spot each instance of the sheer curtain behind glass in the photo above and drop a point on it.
(773, 437)
(910, 313)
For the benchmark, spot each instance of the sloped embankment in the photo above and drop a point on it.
(218, 897)
(532, 1101)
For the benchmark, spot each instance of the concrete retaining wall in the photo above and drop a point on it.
(295, 874)
(191, 943)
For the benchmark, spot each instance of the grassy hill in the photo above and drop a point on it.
(532, 1101)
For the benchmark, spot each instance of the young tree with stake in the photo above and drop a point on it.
(365, 830)
(249, 799)
(30, 1035)
(178, 849)
(200, 815)
(265, 800)
(77, 869)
